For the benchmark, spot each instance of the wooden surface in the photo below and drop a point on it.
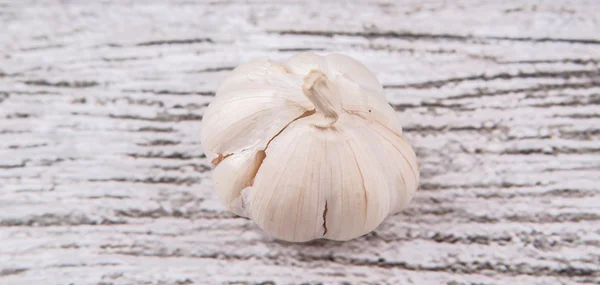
(103, 179)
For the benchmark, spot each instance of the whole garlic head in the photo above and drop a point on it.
(308, 148)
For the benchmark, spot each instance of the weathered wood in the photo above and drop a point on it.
(103, 179)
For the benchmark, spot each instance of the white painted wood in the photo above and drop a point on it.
(103, 179)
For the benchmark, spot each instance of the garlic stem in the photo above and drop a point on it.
(320, 91)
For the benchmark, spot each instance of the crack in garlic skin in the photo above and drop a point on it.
(325, 219)
(316, 150)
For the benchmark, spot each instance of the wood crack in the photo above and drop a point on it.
(154, 130)
(12, 271)
(19, 165)
(502, 76)
(213, 69)
(66, 84)
(540, 87)
(154, 180)
(50, 219)
(159, 142)
(176, 42)
(171, 92)
(161, 155)
(424, 36)
(159, 118)
(578, 61)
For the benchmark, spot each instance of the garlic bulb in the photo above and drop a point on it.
(308, 148)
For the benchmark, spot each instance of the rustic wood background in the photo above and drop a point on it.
(103, 179)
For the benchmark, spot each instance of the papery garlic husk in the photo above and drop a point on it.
(308, 148)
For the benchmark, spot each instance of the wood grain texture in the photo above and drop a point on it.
(103, 179)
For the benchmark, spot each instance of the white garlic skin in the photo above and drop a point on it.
(308, 148)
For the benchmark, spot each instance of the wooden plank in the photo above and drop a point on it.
(103, 179)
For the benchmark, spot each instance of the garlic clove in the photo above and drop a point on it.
(366, 104)
(401, 163)
(335, 65)
(303, 63)
(257, 101)
(314, 181)
(238, 125)
(354, 71)
(234, 172)
(276, 198)
(353, 80)
(247, 75)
